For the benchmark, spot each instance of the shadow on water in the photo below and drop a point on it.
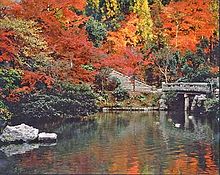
(126, 143)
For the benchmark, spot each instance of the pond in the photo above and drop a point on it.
(125, 143)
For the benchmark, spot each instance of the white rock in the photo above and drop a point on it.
(177, 125)
(47, 136)
(157, 123)
(190, 117)
(20, 132)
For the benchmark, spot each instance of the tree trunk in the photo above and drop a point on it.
(177, 30)
(133, 82)
(166, 79)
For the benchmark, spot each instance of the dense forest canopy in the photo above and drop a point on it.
(45, 41)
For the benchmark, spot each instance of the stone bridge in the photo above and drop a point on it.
(201, 88)
(197, 90)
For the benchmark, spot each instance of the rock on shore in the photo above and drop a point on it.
(25, 133)
(20, 132)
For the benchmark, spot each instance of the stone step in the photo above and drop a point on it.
(127, 84)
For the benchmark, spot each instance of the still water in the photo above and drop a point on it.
(125, 143)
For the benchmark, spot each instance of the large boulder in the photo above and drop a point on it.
(20, 132)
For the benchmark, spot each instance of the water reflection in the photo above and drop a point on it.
(128, 143)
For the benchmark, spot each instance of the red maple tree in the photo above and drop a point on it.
(186, 22)
(63, 30)
(129, 61)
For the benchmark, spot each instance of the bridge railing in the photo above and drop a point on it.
(187, 87)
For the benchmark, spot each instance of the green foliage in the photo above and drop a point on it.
(174, 101)
(5, 114)
(149, 99)
(88, 67)
(9, 80)
(103, 81)
(212, 107)
(107, 12)
(195, 66)
(166, 62)
(120, 94)
(192, 75)
(65, 100)
(97, 31)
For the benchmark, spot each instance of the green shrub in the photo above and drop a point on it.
(66, 101)
(212, 107)
(103, 81)
(9, 80)
(97, 31)
(5, 114)
(120, 94)
(174, 101)
(149, 99)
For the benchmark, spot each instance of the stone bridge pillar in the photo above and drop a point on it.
(186, 102)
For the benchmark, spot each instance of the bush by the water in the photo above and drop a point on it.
(64, 100)
(105, 82)
(120, 94)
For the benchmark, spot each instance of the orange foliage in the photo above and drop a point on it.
(30, 82)
(186, 21)
(67, 40)
(125, 36)
(13, 97)
(31, 79)
(8, 49)
(214, 69)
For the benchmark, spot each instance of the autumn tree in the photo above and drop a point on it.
(145, 22)
(128, 61)
(159, 39)
(107, 12)
(195, 66)
(20, 50)
(66, 38)
(125, 36)
(186, 22)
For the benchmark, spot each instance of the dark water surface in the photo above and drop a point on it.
(128, 143)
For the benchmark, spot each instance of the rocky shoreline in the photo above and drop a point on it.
(22, 138)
